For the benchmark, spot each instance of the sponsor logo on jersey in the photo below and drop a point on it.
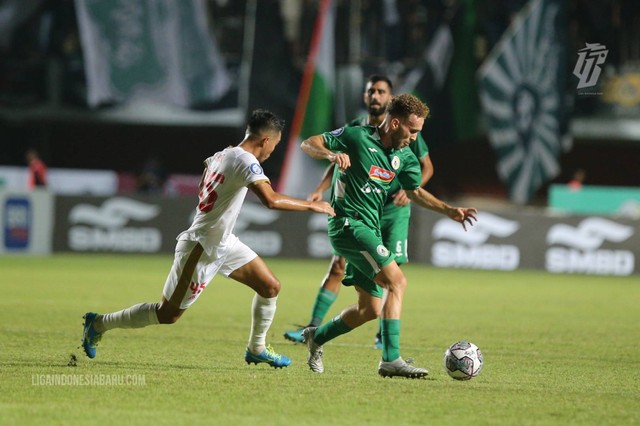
(395, 162)
(383, 175)
(372, 149)
(583, 252)
(337, 132)
(256, 169)
(470, 249)
(103, 228)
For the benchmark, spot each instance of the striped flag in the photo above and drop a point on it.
(153, 50)
(314, 107)
(522, 86)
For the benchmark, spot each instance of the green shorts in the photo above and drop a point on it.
(364, 251)
(353, 276)
(395, 230)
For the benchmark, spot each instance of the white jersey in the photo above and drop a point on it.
(227, 176)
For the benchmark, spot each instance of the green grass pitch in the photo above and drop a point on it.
(558, 350)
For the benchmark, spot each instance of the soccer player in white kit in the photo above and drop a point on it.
(209, 246)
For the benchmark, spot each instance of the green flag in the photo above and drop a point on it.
(156, 50)
(522, 86)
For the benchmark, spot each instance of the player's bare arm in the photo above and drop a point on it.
(314, 147)
(400, 198)
(465, 216)
(276, 201)
(324, 184)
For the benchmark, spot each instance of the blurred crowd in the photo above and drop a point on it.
(41, 55)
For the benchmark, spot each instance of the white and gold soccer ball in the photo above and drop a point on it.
(463, 360)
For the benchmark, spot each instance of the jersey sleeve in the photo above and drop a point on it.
(337, 140)
(410, 175)
(249, 169)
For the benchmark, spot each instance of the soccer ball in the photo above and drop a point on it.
(463, 360)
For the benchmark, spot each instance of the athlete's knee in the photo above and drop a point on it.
(269, 287)
(369, 313)
(168, 314)
(399, 284)
(337, 267)
(369, 309)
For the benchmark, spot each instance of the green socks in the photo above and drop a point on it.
(331, 330)
(390, 339)
(324, 300)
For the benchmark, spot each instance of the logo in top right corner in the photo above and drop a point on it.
(588, 68)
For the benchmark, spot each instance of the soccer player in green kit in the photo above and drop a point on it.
(369, 159)
(396, 212)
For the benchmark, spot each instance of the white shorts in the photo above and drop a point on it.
(193, 269)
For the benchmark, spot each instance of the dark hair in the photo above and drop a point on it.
(404, 105)
(263, 121)
(374, 78)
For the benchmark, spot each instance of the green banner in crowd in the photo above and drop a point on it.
(158, 50)
(522, 86)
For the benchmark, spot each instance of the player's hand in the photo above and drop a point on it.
(322, 207)
(400, 198)
(463, 215)
(315, 196)
(341, 160)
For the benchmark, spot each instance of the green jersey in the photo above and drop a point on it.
(361, 191)
(419, 148)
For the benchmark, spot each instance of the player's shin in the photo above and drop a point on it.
(390, 330)
(137, 316)
(330, 330)
(323, 302)
(262, 312)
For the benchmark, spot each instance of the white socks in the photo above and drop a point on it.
(140, 315)
(143, 314)
(262, 312)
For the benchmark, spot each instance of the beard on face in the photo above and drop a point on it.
(376, 109)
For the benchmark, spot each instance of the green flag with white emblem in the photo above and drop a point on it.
(522, 88)
(153, 50)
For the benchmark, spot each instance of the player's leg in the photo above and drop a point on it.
(392, 364)
(328, 291)
(327, 294)
(367, 309)
(394, 226)
(363, 250)
(174, 302)
(245, 266)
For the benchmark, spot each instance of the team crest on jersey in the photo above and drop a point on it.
(395, 162)
(256, 169)
(380, 174)
(337, 132)
(382, 250)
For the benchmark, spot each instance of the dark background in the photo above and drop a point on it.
(463, 165)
